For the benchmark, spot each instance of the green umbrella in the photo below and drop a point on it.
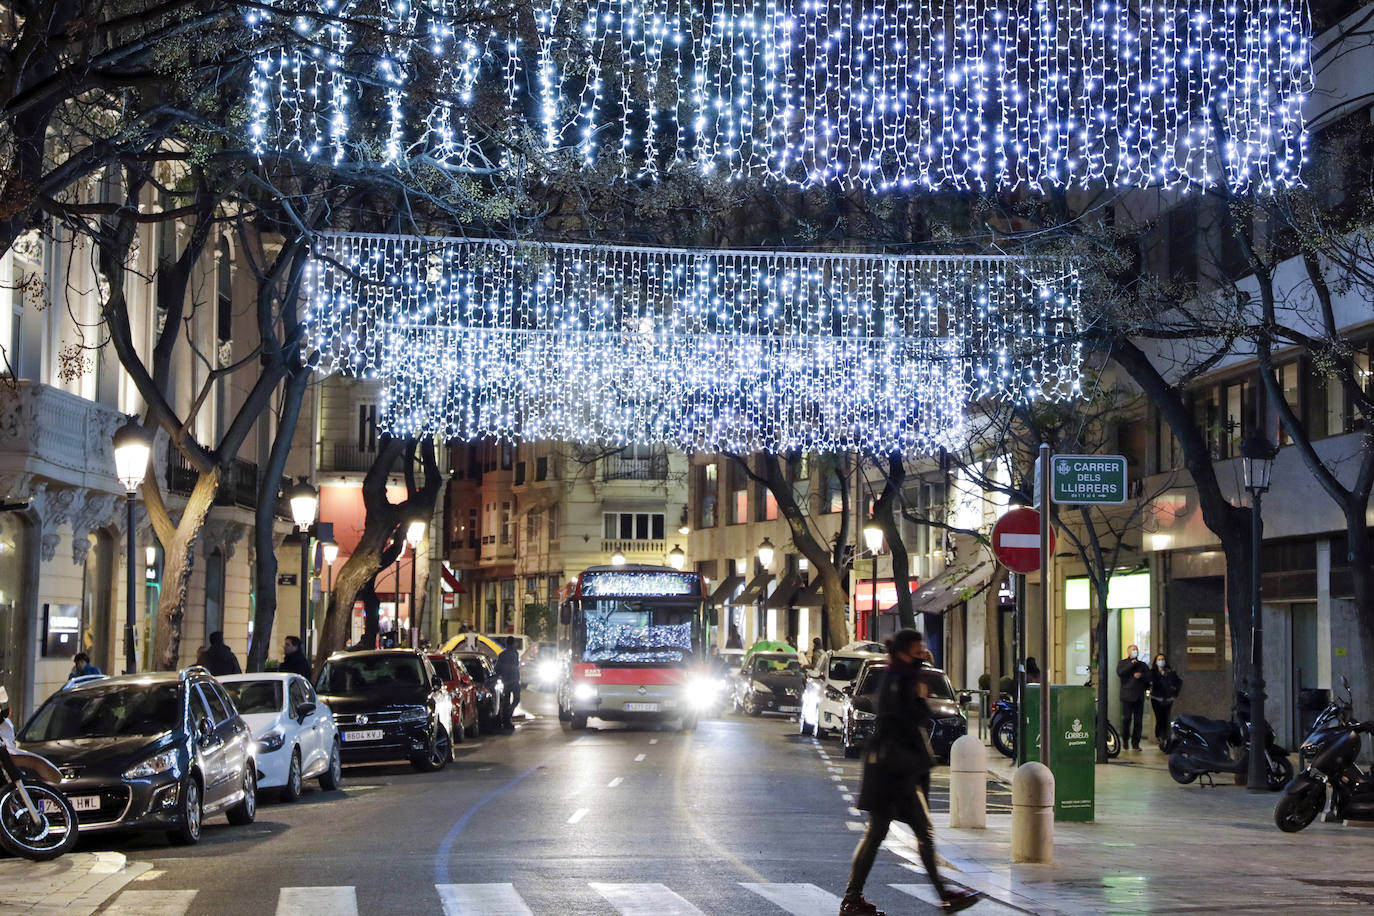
(770, 645)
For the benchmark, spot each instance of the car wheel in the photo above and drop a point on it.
(752, 709)
(187, 830)
(243, 814)
(689, 724)
(578, 721)
(333, 776)
(806, 728)
(292, 790)
(437, 756)
(459, 732)
(851, 751)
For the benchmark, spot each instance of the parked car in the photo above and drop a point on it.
(769, 682)
(521, 642)
(823, 700)
(388, 704)
(489, 688)
(161, 751)
(295, 733)
(462, 693)
(948, 723)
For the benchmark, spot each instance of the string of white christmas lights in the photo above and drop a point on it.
(702, 349)
(894, 94)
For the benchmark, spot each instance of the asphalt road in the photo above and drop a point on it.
(744, 816)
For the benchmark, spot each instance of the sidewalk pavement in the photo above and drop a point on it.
(1157, 847)
(74, 885)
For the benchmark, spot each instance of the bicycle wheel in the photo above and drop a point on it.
(40, 838)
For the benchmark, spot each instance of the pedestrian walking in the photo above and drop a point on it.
(81, 666)
(817, 650)
(1165, 685)
(896, 769)
(508, 670)
(1135, 678)
(1032, 670)
(219, 659)
(293, 658)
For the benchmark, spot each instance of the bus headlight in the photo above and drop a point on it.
(702, 692)
(584, 691)
(547, 672)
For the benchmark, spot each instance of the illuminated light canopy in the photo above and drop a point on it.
(894, 94)
(703, 350)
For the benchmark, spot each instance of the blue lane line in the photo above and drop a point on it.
(441, 857)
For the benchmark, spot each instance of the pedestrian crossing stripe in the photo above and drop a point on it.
(497, 900)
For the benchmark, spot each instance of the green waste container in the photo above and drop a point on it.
(1073, 758)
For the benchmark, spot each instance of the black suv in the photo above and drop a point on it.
(156, 751)
(947, 723)
(388, 704)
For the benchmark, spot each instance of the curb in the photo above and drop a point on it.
(75, 885)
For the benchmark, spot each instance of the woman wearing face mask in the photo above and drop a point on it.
(1164, 687)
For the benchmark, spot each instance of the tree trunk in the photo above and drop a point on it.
(265, 518)
(885, 511)
(177, 551)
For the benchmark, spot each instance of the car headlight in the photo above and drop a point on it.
(702, 692)
(547, 671)
(833, 693)
(760, 687)
(414, 714)
(272, 741)
(584, 691)
(859, 714)
(158, 763)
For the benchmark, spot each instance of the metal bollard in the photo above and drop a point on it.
(968, 784)
(1032, 814)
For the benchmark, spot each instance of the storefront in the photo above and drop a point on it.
(1129, 622)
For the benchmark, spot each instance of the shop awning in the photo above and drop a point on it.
(811, 596)
(955, 584)
(786, 591)
(755, 590)
(726, 589)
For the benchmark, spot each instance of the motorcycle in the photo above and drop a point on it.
(1328, 757)
(37, 821)
(1200, 747)
(1003, 727)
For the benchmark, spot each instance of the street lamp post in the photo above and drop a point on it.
(873, 541)
(676, 558)
(330, 549)
(415, 533)
(1257, 460)
(132, 448)
(305, 503)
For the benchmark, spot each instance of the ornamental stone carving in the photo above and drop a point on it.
(96, 511)
(53, 506)
(221, 535)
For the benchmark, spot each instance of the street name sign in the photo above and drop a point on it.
(1016, 540)
(1088, 480)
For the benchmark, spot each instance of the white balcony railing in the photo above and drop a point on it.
(53, 433)
(634, 546)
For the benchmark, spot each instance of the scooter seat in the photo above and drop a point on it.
(1205, 725)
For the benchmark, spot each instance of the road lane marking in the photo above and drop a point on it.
(639, 758)
(847, 797)
(481, 900)
(653, 741)
(151, 903)
(927, 893)
(856, 826)
(615, 782)
(798, 899)
(834, 769)
(855, 812)
(577, 815)
(645, 900)
(836, 776)
(317, 901)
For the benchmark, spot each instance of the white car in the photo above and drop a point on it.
(822, 704)
(294, 731)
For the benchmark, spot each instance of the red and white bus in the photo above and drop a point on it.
(632, 645)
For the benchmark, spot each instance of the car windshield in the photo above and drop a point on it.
(443, 668)
(936, 682)
(777, 664)
(117, 711)
(631, 630)
(254, 696)
(845, 669)
(367, 674)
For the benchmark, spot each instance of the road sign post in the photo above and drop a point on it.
(1088, 480)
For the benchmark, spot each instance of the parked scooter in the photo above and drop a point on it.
(1003, 726)
(1200, 747)
(36, 820)
(1328, 756)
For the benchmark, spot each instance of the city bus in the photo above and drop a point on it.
(632, 644)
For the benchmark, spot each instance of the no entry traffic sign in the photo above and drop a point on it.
(1016, 540)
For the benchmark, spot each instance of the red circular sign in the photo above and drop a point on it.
(1016, 540)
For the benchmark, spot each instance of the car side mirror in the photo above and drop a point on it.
(204, 729)
(437, 683)
(965, 698)
(304, 710)
(864, 704)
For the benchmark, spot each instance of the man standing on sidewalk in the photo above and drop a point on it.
(1134, 676)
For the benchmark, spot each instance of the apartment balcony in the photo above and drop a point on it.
(633, 547)
(348, 458)
(49, 433)
(238, 485)
(619, 467)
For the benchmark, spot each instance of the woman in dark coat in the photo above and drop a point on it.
(897, 762)
(1165, 685)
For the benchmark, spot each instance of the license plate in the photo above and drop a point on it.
(641, 707)
(79, 803)
(371, 734)
(787, 709)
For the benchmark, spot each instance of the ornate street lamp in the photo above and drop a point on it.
(133, 445)
(305, 503)
(676, 558)
(415, 533)
(1257, 462)
(766, 551)
(873, 541)
(618, 558)
(330, 550)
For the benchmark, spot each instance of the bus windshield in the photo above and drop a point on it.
(639, 630)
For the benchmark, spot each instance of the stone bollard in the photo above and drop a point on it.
(968, 784)
(1032, 814)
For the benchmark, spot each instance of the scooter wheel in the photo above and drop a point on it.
(1298, 809)
(1181, 774)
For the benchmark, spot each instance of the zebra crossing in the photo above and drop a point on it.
(497, 899)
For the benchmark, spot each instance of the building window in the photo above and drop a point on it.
(531, 529)
(224, 293)
(553, 516)
(832, 490)
(505, 523)
(633, 526)
(553, 586)
(541, 468)
(708, 485)
(507, 456)
(519, 473)
(472, 528)
(739, 494)
(367, 428)
(532, 586)
(214, 592)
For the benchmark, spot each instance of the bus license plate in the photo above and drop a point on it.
(371, 734)
(641, 707)
(79, 803)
